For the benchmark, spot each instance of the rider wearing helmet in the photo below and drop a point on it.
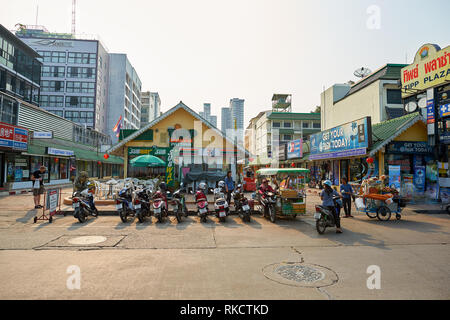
(200, 194)
(327, 201)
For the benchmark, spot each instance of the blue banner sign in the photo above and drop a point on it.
(350, 139)
(445, 138)
(60, 152)
(444, 110)
(409, 147)
(295, 149)
(395, 179)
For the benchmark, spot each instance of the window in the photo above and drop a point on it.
(316, 125)
(52, 86)
(80, 87)
(9, 111)
(57, 112)
(79, 72)
(80, 102)
(17, 168)
(287, 137)
(288, 125)
(52, 101)
(82, 58)
(394, 96)
(276, 124)
(53, 56)
(57, 72)
(305, 125)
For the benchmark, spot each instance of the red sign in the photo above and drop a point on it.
(13, 137)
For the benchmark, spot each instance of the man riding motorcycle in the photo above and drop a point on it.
(265, 187)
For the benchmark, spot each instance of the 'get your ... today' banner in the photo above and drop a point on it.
(350, 139)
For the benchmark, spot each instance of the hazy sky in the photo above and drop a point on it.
(211, 51)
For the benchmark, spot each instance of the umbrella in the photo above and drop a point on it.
(147, 161)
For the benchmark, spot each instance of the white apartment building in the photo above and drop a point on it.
(150, 107)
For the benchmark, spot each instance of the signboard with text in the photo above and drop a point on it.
(13, 137)
(431, 67)
(294, 149)
(350, 139)
(409, 147)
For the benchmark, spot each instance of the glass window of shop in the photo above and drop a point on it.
(36, 163)
(54, 168)
(17, 168)
(356, 172)
(115, 170)
(63, 169)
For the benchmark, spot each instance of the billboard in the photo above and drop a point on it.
(13, 137)
(350, 139)
(294, 149)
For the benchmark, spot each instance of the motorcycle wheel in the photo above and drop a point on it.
(272, 214)
(222, 219)
(383, 213)
(81, 216)
(246, 216)
(321, 225)
(76, 213)
(95, 213)
(140, 216)
(178, 215)
(185, 211)
(123, 215)
(203, 219)
(160, 218)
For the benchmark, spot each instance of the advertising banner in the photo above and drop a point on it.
(170, 169)
(350, 139)
(154, 151)
(407, 190)
(13, 137)
(52, 200)
(409, 147)
(430, 111)
(431, 68)
(444, 110)
(295, 149)
(395, 179)
(419, 179)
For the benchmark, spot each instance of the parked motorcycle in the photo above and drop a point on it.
(268, 201)
(84, 205)
(124, 203)
(324, 217)
(220, 203)
(178, 202)
(201, 202)
(241, 205)
(160, 210)
(142, 203)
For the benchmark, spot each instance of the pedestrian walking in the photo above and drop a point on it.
(229, 186)
(38, 186)
(347, 193)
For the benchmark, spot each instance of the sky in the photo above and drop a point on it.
(210, 51)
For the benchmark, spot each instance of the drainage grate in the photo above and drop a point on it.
(300, 274)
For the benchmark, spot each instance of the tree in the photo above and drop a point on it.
(317, 110)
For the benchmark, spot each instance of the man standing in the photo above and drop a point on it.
(347, 192)
(38, 186)
(229, 186)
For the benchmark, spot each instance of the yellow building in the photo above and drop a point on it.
(183, 139)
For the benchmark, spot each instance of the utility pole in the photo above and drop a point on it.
(74, 5)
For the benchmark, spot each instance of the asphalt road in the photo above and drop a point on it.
(231, 260)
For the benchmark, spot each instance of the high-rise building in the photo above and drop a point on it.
(213, 120)
(151, 107)
(74, 82)
(226, 120)
(237, 112)
(207, 111)
(124, 94)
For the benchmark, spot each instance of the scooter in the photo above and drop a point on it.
(159, 206)
(241, 205)
(142, 203)
(178, 202)
(220, 204)
(268, 202)
(124, 203)
(83, 203)
(202, 205)
(324, 217)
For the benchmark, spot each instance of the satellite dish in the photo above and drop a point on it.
(423, 102)
(362, 72)
(411, 106)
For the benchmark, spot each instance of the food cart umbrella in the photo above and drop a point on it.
(147, 161)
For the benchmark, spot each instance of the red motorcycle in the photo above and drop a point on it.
(202, 202)
(160, 205)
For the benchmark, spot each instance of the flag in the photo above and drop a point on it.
(117, 127)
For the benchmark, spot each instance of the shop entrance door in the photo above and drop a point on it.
(344, 170)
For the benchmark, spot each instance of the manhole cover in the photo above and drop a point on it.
(300, 274)
(87, 240)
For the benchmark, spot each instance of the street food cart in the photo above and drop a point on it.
(289, 185)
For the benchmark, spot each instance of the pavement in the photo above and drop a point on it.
(232, 260)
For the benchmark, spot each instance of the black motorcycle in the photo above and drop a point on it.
(84, 206)
(241, 206)
(324, 217)
(178, 203)
(124, 204)
(268, 202)
(142, 204)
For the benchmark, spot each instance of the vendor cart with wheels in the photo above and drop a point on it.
(290, 191)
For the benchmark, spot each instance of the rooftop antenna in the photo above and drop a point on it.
(362, 72)
(37, 12)
(74, 5)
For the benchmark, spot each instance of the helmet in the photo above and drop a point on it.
(162, 186)
(202, 186)
(221, 184)
(328, 183)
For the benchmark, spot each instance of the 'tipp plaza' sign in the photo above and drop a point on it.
(431, 68)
